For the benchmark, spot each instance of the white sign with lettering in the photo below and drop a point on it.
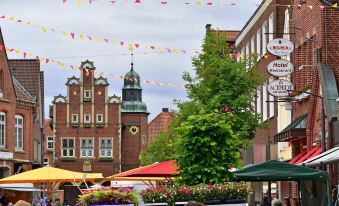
(280, 88)
(6, 155)
(280, 47)
(280, 68)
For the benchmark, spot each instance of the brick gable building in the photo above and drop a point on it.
(95, 132)
(18, 111)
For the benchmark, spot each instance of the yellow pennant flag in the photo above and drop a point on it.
(81, 37)
(79, 2)
(30, 55)
(64, 33)
(198, 3)
(53, 61)
(97, 39)
(43, 29)
(221, 5)
(335, 5)
(28, 22)
(130, 47)
(62, 65)
(11, 18)
(17, 51)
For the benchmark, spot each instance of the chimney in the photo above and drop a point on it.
(208, 27)
(164, 109)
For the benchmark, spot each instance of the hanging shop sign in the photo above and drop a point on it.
(280, 47)
(280, 88)
(280, 68)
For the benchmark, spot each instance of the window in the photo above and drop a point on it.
(50, 143)
(99, 118)
(270, 27)
(259, 101)
(252, 50)
(258, 44)
(87, 93)
(87, 118)
(271, 99)
(87, 147)
(106, 147)
(2, 129)
(247, 55)
(68, 147)
(74, 118)
(1, 84)
(264, 102)
(19, 133)
(46, 161)
(264, 39)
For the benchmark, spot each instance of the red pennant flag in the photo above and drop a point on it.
(121, 77)
(147, 81)
(25, 55)
(187, 3)
(90, 1)
(137, 1)
(37, 58)
(210, 3)
(89, 37)
(72, 35)
(113, 2)
(10, 49)
(321, 6)
(3, 17)
(136, 45)
(64, 1)
(164, 2)
(122, 43)
(232, 4)
(152, 47)
(47, 60)
(19, 21)
(106, 40)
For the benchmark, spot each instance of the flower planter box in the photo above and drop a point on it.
(156, 204)
(111, 205)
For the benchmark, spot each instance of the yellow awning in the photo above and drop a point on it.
(50, 174)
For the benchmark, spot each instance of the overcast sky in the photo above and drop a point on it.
(174, 26)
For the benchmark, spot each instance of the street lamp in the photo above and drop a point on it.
(323, 140)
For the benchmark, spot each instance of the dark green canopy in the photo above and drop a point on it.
(274, 170)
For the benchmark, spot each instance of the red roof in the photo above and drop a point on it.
(162, 169)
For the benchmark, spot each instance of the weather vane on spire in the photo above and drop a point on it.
(132, 59)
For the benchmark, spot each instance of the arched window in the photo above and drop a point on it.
(19, 133)
(2, 129)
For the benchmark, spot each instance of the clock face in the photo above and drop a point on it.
(134, 130)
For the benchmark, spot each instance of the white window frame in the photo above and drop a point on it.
(252, 50)
(2, 129)
(271, 99)
(105, 149)
(77, 118)
(89, 118)
(87, 92)
(50, 139)
(100, 115)
(68, 148)
(89, 151)
(19, 137)
(258, 44)
(259, 101)
(46, 162)
(264, 102)
(247, 55)
(264, 39)
(271, 27)
(242, 54)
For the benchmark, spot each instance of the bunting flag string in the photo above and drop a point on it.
(84, 37)
(196, 3)
(62, 65)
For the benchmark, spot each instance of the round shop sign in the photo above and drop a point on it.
(280, 47)
(280, 68)
(280, 88)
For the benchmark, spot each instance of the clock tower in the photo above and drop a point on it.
(134, 118)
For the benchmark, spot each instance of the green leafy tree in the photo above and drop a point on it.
(210, 134)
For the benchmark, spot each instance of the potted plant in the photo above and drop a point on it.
(157, 196)
(182, 194)
(109, 197)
